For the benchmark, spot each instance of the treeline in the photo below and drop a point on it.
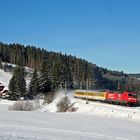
(66, 70)
(137, 75)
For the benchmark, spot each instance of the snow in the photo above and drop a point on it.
(14, 65)
(52, 107)
(110, 111)
(6, 76)
(92, 121)
(97, 108)
(6, 102)
(64, 126)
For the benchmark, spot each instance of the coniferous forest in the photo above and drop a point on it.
(53, 71)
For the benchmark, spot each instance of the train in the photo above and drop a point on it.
(113, 97)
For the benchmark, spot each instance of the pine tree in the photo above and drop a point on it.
(12, 88)
(17, 85)
(44, 82)
(32, 92)
(56, 76)
(21, 83)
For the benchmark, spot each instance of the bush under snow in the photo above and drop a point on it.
(25, 105)
(63, 104)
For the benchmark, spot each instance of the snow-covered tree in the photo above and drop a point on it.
(32, 92)
(12, 88)
(17, 85)
(44, 82)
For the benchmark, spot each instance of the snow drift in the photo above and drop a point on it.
(95, 108)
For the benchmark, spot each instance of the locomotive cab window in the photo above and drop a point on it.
(132, 95)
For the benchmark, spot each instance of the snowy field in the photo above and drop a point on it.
(59, 126)
(85, 124)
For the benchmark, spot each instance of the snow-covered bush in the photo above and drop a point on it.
(24, 106)
(63, 104)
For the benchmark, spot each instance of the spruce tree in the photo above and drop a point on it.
(32, 92)
(17, 85)
(12, 88)
(44, 82)
(21, 83)
(56, 76)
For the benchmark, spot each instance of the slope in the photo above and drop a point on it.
(5, 78)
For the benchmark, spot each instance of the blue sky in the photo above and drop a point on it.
(105, 32)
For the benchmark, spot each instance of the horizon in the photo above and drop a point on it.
(103, 32)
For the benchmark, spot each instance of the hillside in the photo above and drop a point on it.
(5, 78)
(137, 75)
(67, 69)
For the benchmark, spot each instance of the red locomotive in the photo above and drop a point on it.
(124, 98)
